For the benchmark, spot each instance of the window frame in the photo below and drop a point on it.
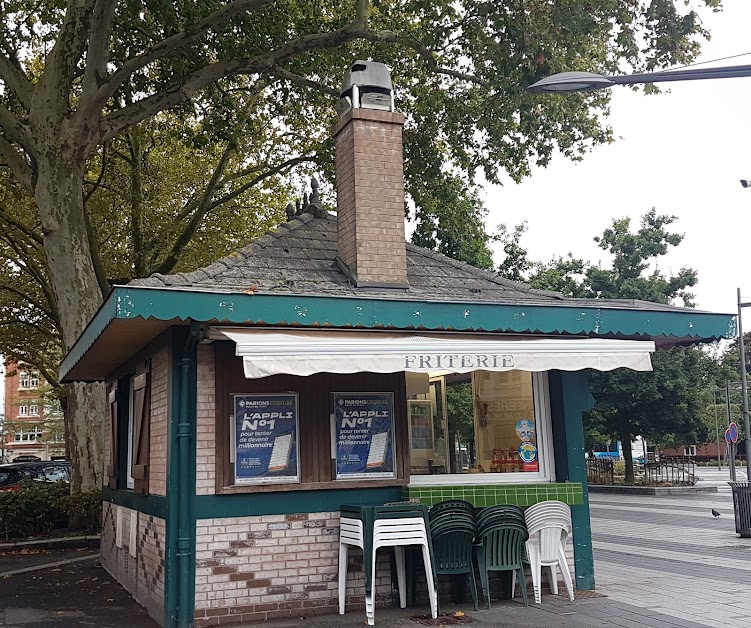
(28, 380)
(546, 474)
(130, 481)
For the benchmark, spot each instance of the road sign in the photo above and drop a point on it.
(731, 434)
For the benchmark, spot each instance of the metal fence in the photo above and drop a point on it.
(672, 470)
(600, 471)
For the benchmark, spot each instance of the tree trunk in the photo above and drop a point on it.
(59, 197)
(85, 409)
(628, 458)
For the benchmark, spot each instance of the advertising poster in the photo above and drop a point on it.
(364, 435)
(265, 438)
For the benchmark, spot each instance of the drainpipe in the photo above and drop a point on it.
(185, 489)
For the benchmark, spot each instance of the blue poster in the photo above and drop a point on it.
(364, 435)
(265, 438)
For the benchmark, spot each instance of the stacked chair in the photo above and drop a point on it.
(502, 534)
(371, 527)
(549, 525)
(453, 531)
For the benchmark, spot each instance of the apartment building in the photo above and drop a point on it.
(33, 422)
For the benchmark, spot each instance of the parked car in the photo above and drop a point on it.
(11, 475)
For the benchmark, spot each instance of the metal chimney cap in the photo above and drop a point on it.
(367, 84)
(367, 73)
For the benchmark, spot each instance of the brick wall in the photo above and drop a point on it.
(136, 562)
(370, 195)
(272, 566)
(205, 423)
(159, 428)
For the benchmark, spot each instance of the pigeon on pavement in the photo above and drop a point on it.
(715, 513)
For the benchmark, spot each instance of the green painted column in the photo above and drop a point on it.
(569, 398)
(179, 590)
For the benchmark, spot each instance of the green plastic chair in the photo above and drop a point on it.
(450, 505)
(501, 549)
(454, 518)
(452, 554)
(501, 512)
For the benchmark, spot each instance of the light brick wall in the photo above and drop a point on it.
(272, 566)
(206, 423)
(370, 195)
(142, 575)
(159, 428)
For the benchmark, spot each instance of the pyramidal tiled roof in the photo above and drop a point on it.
(299, 257)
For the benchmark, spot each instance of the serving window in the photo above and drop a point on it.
(481, 427)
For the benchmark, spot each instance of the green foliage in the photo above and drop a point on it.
(515, 265)
(41, 508)
(460, 411)
(450, 221)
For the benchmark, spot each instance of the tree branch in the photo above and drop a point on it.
(208, 192)
(97, 54)
(15, 130)
(95, 185)
(18, 165)
(55, 84)
(30, 233)
(423, 52)
(147, 107)
(303, 82)
(13, 76)
(286, 165)
(30, 268)
(202, 210)
(173, 43)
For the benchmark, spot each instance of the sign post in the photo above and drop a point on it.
(731, 438)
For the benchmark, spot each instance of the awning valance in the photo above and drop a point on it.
(271, 352)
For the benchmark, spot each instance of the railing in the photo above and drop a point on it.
(600, 471)
(673, 470)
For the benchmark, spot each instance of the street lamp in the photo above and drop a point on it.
(567, 82)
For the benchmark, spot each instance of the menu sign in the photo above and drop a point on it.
(265, 438)
(364, 435)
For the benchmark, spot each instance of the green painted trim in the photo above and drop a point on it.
(490, 495)
(569, 398)
(105, 315)
(173, 483)
(290, 502)
(312, 311)
(154, 505)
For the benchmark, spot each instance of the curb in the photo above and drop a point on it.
(651, 490)
(59, 563)
(64, 542)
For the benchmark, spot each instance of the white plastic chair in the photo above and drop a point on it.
(350, 533)
(392, 532)
(549, 525)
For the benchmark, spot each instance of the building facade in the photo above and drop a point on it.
(253, 398)
(33, 422)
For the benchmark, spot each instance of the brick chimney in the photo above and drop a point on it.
(370, 180)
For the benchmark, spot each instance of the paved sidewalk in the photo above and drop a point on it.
(670, 555)
(662, 562)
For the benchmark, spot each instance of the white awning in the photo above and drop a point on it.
(271, 352)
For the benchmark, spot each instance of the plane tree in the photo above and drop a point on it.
(77, 74)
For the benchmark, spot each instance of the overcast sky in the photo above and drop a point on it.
(682, 152)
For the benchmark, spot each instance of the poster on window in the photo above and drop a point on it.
(364, 435)
(265, 438)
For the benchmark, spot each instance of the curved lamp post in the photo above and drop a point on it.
(567, 82)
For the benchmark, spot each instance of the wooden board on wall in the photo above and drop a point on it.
(314, 438)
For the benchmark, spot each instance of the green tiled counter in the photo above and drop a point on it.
(481, 496)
